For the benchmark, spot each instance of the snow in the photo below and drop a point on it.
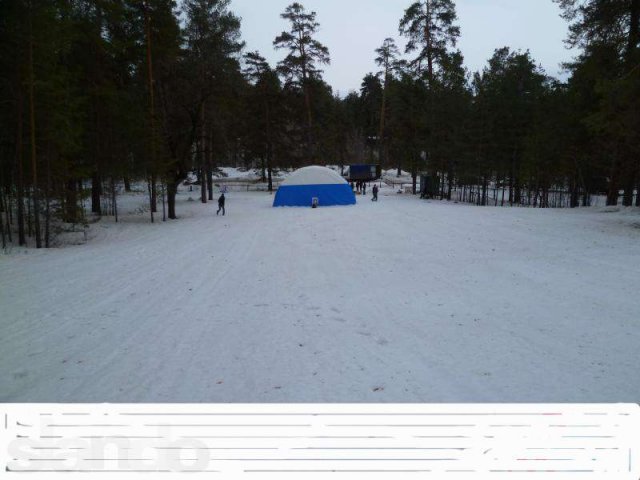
(397, 301)
(391, 177)
(314, 176)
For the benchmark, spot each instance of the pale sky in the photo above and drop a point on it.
(353, 29)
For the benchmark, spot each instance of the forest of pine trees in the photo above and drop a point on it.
(100, 95)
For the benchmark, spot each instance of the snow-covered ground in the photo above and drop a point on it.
(399, 301)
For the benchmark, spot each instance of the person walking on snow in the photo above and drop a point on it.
(221, 205)
(375, 194)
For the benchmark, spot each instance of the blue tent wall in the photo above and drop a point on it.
(302, 195)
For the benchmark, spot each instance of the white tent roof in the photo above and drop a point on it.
(314, 176)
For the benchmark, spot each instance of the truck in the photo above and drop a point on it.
(364, 173)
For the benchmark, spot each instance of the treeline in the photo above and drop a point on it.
(97, 94)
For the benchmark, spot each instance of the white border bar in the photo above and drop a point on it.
(319, 441)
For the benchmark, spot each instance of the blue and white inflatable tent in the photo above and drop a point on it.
(308, 183)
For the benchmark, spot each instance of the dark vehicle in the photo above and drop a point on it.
(364, 173)
(429, 186)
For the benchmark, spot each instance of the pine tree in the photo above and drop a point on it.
(508, 91)
(430, 27)
(387, 59)
(612, 27)
(266, 94)
(300, 67)
(371, 98)
(212, 33)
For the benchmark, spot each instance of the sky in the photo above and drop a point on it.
(353, 29)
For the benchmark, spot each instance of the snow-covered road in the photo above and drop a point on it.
(400, 301)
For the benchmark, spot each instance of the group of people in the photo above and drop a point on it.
(361, 188)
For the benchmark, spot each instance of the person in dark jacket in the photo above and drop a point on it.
(375, 194)
(221, 201)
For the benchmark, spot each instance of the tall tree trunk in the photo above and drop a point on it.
(96, 192)
(96, 180)
(575, 194)
(209, 160)
(429, 39)
(269, 147)
(4, 240)
(449, 182)
(383, 114)
(154, 193)
(32, 121)
(485, 188)
(203, 185)
(634, 30)
(517, 183)
(4, 208)
(201, 156)
(164, 204)
(629, 189)
(29, 215)
(414, 174)
(632, 172)
(152, 113)
(8, 214)
(269, 167)
(71, 202)
(613, 194)
(150, 190)
(307, 101)
(310, 137)
(20, 180)
(172, 190)
(210, 182)
(47, 223)
(114, 199)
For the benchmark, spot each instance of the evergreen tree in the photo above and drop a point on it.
(212, 33)
(301, 66)
(430, 27)
(611, 30)
(387, 59)
(508, 91)
(265, 96)
(371, 96)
